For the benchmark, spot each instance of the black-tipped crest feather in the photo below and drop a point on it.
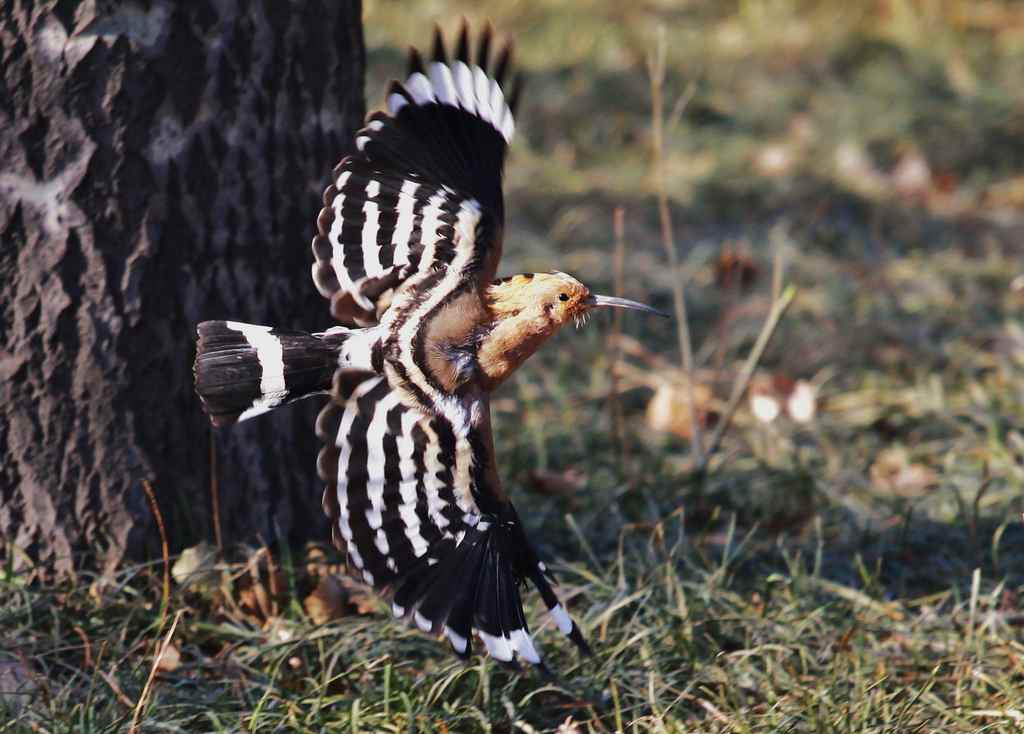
(439, 52)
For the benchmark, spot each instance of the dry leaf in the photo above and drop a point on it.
(735, 267)
(767, 396)
(560, 484)
(802, 130)
(669, 409)
(336, 596)
(169, 659)
(765, 406)
(945, 182)
(261, 591)
(98, 590)
(855, 167)
(773, 159)
(248, 604)
(261, 597)
(360, 596)
(328, 601)
(316, 561)
(568, 727)
(1008, 193)
(802, 403)
(912, 175)
(196, 567)
(770, 395)
(893, 472)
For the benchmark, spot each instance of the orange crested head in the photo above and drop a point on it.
(551, 299)
(528, 309)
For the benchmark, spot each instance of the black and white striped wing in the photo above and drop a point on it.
(391, 207)
(393, 489)
(407, 500)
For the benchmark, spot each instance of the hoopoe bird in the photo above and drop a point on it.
(406, 251)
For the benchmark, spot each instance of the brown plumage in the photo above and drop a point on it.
(523, 312)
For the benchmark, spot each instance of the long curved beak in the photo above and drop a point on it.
(594, 301)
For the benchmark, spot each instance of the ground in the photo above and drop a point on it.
(854, 569)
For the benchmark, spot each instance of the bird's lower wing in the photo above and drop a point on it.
(409, 500)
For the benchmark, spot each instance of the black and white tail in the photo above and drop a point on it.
(245, 370)
(472, 584)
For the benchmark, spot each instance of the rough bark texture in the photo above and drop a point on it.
(160, 164)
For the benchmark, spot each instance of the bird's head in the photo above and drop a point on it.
(528, 309)
(555, 298)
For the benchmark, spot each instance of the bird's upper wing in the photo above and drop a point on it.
(392, 208)
(416, 503)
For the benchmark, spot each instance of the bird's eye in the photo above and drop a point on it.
(563, 297)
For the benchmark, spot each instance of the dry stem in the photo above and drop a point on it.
(134, 728)
(656, 72)
(215, 494)
(166, 597)
(742, 382)
(615, 402)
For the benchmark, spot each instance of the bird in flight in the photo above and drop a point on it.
(406, 250)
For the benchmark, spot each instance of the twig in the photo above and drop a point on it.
(134, 728)
(730, 295)
(166, 598)
(215, 494)
(111, 681)
(972, 524)
(615, 401)
(109, 678)
(656, 71)
(275, 592)
(778, 267)
(87, 663)
(742, 382)
(680, 106)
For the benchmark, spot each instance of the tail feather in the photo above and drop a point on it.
(449, 590)
(244, 370)
(474, 586)
(566, 625)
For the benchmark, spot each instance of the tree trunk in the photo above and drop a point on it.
(161, 163)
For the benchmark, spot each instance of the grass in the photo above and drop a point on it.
(861, 572)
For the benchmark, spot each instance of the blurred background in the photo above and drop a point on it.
(870, 154)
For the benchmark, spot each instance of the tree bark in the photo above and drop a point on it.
(161, 163)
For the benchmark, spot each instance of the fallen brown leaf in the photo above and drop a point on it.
(668, 410)
(736, 268)
(328, 601)
(360, 596)
(196, 567)
(772, 395)
(559, 484)
(169, 659)
(892, 471)
(802, 402)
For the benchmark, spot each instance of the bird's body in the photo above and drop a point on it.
(407, 250)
